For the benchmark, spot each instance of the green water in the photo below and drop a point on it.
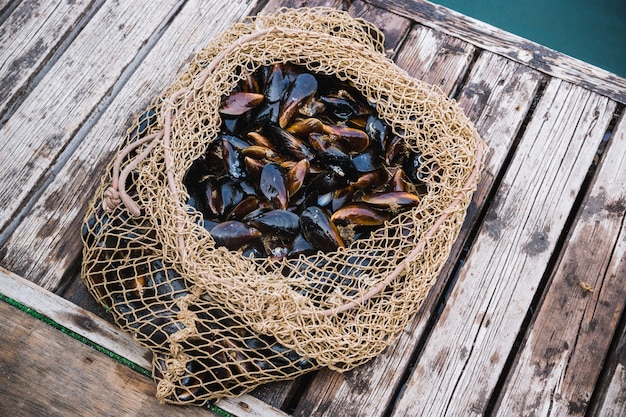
(593, 31)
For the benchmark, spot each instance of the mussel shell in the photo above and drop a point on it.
(302, 90)
(254, 249)
(395, 198)
(273, 185)
(262, 152)
(319, 231)
(296, 176)
(277, 84)
(263, 115)
(212, 198)
(399, 181)
(254, 167)
(303, 128)
(341, 197)
(377, 131)
(394, 150)
(240, 102)
(371, 179)
(231, 194)
(277, 222)
(258, 139)
(236, 142)
(415, 167)
(360, 214)
(301, 246)
(168, 283)
(233, 160)
(351, 140)
(233, 234)
(367, 161)
(289, 143)
(243, 208)
(341, 108)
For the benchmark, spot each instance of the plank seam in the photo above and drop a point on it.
(8, 10)
(544, 282)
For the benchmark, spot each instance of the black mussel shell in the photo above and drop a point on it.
(301, 91)
(240, 102)
(233, 160)
(289, 143)
(231, 194)
(367, 161)
(414, 167)
(273, 185)
(276, 222)
(319, 230)
(233, 234)
(395, 198)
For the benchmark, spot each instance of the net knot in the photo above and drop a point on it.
(111, 199)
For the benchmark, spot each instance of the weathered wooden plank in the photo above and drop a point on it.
(38, 250)
(466, 351)
(107, 335)
(368, 389)
(435, 58)
(512, 46)
(53, 112)
(45, 372)
(72, 317)
(393, 26)
(558, 367)
(613, 403)
(29, 35)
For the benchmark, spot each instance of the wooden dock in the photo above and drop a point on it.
(526, 319)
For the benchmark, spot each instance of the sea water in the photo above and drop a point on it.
(590, 30)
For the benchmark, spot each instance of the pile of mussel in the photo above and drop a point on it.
(302, 164)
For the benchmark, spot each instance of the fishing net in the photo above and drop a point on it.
(220, 323)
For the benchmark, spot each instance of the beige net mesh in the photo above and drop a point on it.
(219, 323)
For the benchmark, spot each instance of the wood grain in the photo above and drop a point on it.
(44, 372)
(466, 351)
(43, 126)
(73, 318)
(29, 36)
(36, 250)
(558, 367)
(514, 47)
(393, 26)
(613, 402)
